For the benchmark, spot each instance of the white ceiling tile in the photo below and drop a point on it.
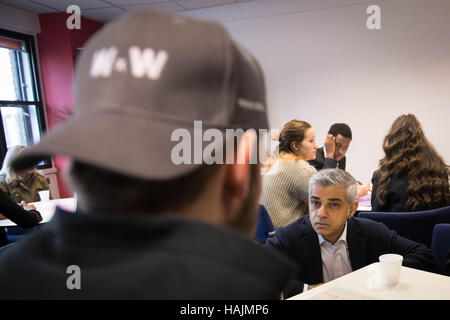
(131, 2)
(104, 14)
(196, 4)
(83, 4)
(30, 6)
(169, 6)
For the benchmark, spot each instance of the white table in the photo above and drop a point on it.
(47, 209)
(362, 284)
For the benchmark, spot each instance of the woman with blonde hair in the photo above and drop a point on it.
(21, 186)
(412, 176)
(285, 183)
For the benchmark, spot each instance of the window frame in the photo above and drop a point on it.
(29, 41)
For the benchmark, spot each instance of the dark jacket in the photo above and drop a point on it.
(366, 240)
(140, 257)
(397, 194)
(23, 218)
(17, 214)
(323, 163)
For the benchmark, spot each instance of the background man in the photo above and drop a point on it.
(146, 227)
(332, 154)
(330, 242)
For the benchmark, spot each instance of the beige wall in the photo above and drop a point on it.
(15, 19)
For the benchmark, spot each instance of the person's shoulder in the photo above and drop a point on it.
(300, 168)
(297, 227)
(366, 225)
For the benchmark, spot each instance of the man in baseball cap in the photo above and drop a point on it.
(155, 219)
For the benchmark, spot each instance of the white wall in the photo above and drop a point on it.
(15, 19)
(323, 65)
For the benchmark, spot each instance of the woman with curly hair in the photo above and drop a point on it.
(412, 176)
(286, 182)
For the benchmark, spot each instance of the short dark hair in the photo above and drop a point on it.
(342, 129)
(102, 190)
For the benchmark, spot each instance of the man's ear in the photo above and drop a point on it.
(352, 209)
(238, 173)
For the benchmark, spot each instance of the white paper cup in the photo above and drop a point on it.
(391, 265)
(44, 195)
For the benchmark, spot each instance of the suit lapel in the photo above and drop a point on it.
(313, 260)
(356, 245)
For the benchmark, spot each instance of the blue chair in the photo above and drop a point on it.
(417, 226)
(265, 225)
(440, 244)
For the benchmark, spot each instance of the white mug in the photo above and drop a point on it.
(390, 266)
(44, 195)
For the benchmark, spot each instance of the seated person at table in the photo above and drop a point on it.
(332, 154)
(412, 175)
(23, 215)
(330, 242)
(21, 185)
(148, 226)
(285, 184)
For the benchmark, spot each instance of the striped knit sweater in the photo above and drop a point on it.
(285, 192)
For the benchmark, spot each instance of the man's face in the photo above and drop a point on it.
(329, 210)
(342, 144)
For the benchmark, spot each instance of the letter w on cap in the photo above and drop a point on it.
(146, 62)
(103, 61)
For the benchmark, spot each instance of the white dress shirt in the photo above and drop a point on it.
(335, 258)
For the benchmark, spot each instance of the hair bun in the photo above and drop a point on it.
(276, 136)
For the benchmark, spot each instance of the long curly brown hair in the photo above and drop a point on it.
(408, 152)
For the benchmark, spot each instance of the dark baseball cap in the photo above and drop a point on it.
(144, 76)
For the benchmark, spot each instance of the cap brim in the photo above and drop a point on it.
(127, 145)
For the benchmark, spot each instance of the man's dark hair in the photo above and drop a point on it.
(342, 129)
(101, 190)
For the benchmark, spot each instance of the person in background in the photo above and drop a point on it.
(21, 185)
(285, 184)
(332, 154)
(412, 176)
(150, 222)
(24, 215)
(330, 242)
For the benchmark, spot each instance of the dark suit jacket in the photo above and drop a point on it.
(396, 197)
(366, 240)
(323, 163)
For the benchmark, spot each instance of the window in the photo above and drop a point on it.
(22, 115)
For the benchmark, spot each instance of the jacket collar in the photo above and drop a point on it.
(356, 245)
(311, 248)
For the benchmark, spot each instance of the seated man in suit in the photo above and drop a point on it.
(332, 154)
(330, 242)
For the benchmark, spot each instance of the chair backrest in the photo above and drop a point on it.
(265, 225)
(417, 226)
(440, 244)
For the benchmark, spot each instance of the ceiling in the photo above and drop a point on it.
(105, 10)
